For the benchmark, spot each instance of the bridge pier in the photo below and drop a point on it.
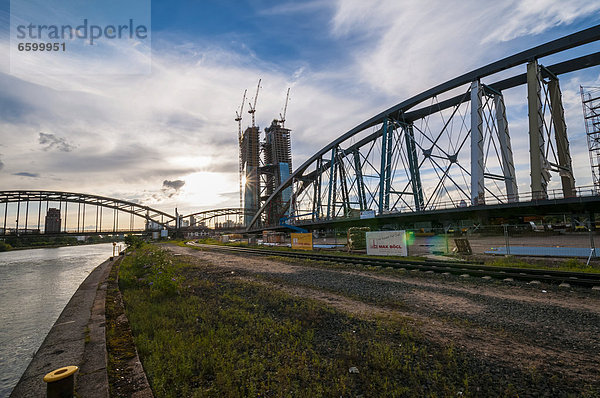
(538, 163)
(564, 166)
(539, 132)
(508, 165)
(477, 138)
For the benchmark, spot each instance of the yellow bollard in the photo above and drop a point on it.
(61, 382)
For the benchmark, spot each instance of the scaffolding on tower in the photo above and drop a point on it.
(590, 99)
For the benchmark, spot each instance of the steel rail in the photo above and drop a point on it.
(583, 279)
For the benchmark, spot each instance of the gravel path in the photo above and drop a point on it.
(543, 327)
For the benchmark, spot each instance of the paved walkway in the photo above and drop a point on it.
(82, 319)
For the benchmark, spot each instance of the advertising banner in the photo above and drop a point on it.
(302, 241)
(387, 243)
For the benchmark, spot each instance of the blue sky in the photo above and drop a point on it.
(282, 33)
(345, 60)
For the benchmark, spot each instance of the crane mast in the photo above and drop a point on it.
(282, 116)
(238, 118)
(253, 106)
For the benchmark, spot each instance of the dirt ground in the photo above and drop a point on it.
(541, 328)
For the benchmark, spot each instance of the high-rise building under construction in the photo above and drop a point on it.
(277, 151)
(250, 158)
(259, 178)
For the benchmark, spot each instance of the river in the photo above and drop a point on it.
(35, 286)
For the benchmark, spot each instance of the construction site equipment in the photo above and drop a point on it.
(590, 99)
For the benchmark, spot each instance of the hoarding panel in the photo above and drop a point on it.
(302, 241)
(387, 243)
(367, 214)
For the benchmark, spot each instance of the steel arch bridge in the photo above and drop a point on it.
(228, 218)
(90, 207)
(448, 147)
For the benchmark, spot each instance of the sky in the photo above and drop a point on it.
(163, 133)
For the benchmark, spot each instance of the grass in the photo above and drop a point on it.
(119, 341)
(202, 332)
(216, 336)
(87, 337)
(570, 265)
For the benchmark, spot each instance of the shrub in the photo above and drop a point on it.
(133, 241)
(4, 247)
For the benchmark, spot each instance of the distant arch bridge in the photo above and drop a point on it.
(24, 212)
(230, 219)
(79, 213)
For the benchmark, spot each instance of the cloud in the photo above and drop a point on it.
(176, 124)
(521, 18)
(172, 124)
(26, 174)
(405, 47)
(295, 8)
(176, 184)
(171, 188)
(51, 141)
(1, 165)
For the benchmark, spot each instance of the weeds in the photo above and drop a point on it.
(202, 332)
(571, 264)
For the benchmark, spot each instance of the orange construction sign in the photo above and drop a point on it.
(302, 241)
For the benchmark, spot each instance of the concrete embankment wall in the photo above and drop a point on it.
(77, 338)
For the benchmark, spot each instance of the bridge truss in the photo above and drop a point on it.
(87, 213)
(218, 219)
(448, 147)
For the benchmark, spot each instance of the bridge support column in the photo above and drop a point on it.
(508, 165)
(18, 212)
(477, 162)
(343, 186)
(565, 168)
(413, 165)
(538, 162)
(360, 185)
(332, 185)
(317, 190)
(5, 215)
(384, 171)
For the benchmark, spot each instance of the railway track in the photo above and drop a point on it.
(565, 278)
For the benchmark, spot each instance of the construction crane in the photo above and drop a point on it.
(238, 118)
(282, 117)
(253, 106)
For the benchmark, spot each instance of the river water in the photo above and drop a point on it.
(35, 286)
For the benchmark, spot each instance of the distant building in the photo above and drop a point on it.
(53, 221)
(153, 226)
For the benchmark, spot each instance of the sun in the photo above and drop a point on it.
(209, 189)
